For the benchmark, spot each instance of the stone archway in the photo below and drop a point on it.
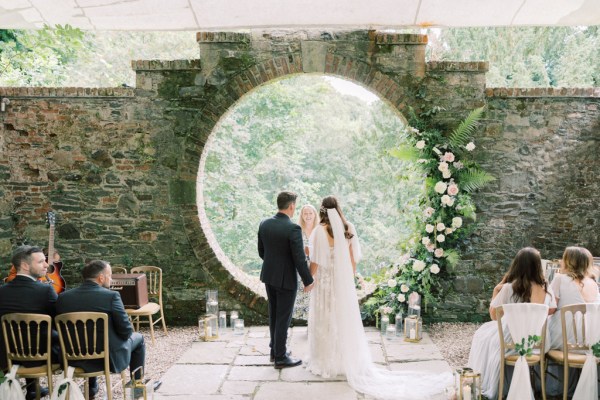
(233, 64)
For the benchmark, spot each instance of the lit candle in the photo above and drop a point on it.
(413, 333)
(466, 393)
(208, 332)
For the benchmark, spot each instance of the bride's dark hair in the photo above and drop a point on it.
(332, 202)
(526, 269)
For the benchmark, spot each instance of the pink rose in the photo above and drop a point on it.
(452, 189)
(449, 157)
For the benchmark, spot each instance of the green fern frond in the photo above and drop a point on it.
(474, 179)
(405, 153)
(452, 258)
(462, 134)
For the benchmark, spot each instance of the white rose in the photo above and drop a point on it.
(446, 174)
(425, 241)
(451, 201)
(470, 146)
(438, 253)
(428, 212)
(430, 247)
(418, 265)
(458, 165)
(434, 269)
(429, 228)
(440, 187)
(420, 145)
(440, 226)
(404, 288)
(401, 298)
(440, 238)
(449, 231)
(448, 157)
(445, 200)
(392, 283)
(443, 166)
(457, 222)
(452, 189)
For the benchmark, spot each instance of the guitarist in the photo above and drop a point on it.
(52, 276)
(25, 294)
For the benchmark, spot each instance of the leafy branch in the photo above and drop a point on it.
(596, 349)
(526, 349)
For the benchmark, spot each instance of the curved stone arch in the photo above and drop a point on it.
(244, 288)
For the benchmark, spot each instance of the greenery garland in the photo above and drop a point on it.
(451, 176)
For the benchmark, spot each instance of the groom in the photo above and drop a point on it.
(281, 248)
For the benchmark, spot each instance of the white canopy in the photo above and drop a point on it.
(206, 15)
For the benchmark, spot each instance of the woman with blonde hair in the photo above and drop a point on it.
(308, 220)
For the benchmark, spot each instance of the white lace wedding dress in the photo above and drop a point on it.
(336, 338)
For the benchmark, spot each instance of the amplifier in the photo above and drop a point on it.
(133, 289)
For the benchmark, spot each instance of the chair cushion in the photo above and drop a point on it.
(40, 369)
(150, 308)
(559, 357)
(512, 359)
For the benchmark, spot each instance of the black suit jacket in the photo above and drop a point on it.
(282, 250)
(91, 297)
(25, 295)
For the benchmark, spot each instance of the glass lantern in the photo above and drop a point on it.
(139, 388)
(467, 384)
(390, 332)
(414, 305)
(413, 329)
(211, 327)
(201, 329)
(212, 302)
(399, 327)
(385, 322)
(234, 315)
(238, 327)
(222, 320)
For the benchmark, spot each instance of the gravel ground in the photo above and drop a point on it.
(454, 340)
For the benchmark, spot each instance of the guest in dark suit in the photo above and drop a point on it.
(126, 347)
(25, 294)
(281, 247)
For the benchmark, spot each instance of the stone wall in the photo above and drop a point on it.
(120, 166)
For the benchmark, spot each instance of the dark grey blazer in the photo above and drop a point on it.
(24, 295)
(91, 297)
(282, 250)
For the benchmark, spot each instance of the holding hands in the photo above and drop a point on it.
(309, 287)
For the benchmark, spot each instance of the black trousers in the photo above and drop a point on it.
(281, 307)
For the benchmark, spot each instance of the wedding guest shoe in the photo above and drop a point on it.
(287, 362)
(272, 358)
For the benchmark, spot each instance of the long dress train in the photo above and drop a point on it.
(337, 341)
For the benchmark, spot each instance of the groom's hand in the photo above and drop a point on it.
(309, 287)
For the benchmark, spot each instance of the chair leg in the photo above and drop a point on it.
(543, 364)
(566, 380)
(86, 388)
(123, 380)
(108, 387)
(162, 317)
(501, 381)
(151, 328)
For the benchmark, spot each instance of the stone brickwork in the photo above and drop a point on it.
(122, 167)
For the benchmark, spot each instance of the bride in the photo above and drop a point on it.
(336, 338)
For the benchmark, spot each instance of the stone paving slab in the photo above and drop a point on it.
(239, 387)
(304, 391)
(188, 379)
(253, 373)
(209, 353)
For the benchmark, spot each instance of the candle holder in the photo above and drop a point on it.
(212, 302)
(238, 327)
(468, 384)
(390, 332)
(414, 305)
(211, 328)
(233, 316)
(141, 388)
(201, 328)
(399, 326)
(222, 320)
(385, 322)
(413, 327)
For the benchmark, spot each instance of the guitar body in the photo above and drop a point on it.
(53, 278)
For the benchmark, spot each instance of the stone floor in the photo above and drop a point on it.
(238, 367)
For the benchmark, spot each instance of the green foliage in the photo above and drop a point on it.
(526, 349)
(473, 179)
(462, 134)
(596, 349)
(432, 255)
(304, 135)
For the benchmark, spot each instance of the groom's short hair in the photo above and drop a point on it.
(284, 199)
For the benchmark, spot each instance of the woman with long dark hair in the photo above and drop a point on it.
(523, 283)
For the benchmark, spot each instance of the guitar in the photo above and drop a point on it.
(53, 276)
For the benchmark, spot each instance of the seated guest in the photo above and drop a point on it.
(126, 347)
(574, 284)
(523, 283)
(25, 294)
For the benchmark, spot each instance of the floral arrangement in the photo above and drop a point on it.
(451, 175)
(526, 349)
(596, 350)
